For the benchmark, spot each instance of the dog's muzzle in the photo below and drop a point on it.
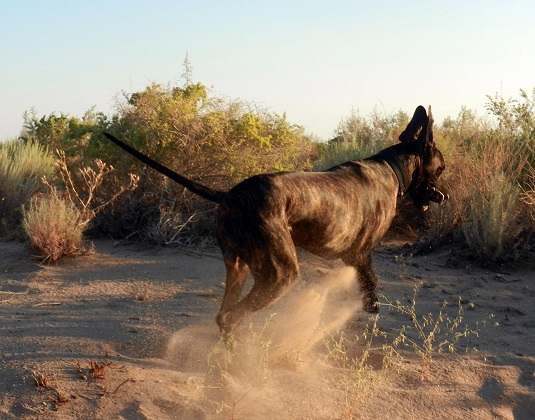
(436, 196)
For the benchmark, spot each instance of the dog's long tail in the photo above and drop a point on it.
(199, 189)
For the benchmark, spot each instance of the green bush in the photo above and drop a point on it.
(22, 165)
(69, 135)
(215, 141)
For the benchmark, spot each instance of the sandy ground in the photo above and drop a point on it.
(129, 333)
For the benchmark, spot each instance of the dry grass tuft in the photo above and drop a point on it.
(490, 226)
(486, 202)
(528, 193)
(99, 370)
(41, 380)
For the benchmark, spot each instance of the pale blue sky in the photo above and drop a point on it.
(314, 60)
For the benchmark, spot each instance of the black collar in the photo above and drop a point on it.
(390, 156)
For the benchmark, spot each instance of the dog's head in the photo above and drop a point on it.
(418, 137)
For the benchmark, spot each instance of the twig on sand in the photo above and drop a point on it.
(121, 384)
(38, 305)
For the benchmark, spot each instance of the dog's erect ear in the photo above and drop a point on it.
(416, 126)
(429, 132)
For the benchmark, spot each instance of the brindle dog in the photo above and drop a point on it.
(340, 213)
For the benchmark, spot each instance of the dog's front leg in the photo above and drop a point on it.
(367, 280)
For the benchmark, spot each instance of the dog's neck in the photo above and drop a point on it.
(403, 162)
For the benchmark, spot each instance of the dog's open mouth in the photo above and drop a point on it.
(433, 195)
(437, 196)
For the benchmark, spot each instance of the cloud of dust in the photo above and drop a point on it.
(275, 355)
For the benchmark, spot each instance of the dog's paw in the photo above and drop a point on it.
(371, 304)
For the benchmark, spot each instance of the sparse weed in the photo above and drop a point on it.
(430, 334)
(404, 260)
(359, 379)
(365, 359)
(237, 368)
(245, 372)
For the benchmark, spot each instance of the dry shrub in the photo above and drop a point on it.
(53, 226)
(55, 222)
(528, 193)
(41, 380)
(83, 192)
(491, 224)
(98, 370)
(444, 221)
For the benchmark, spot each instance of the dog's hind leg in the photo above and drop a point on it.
(237, 272)
(273, 276)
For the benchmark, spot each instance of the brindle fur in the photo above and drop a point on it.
(341, 213)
